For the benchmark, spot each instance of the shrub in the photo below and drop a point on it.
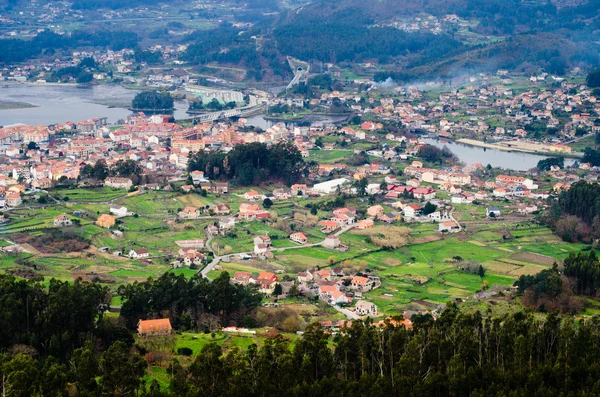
(184, 351)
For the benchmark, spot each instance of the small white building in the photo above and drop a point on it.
(330, 186)
(118, 210)
(138, 254)
(331, 241)
(449, 227)
(364, 308)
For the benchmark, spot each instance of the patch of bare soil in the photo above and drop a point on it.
(391, 262)
(426, 239)
(53, 243)
(534, 258)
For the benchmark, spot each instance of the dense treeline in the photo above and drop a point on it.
(190, 303)
(549, 290)
(593, 79)
(436, 155)
(546, 164)
(457, 355)
(554, 289)
(336, 42)
(581, 200)
(576, 214)
(152, 100)
(584, 269)
(52, 321)
(252, 163)
(47, 43)
(207, 46)
(591, 156)
(122, 168)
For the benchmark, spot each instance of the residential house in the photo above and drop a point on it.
(299, 238)
(156, 327)
(343, 216)
(118, 183)
(190, 256)
(242, 278)
(118, 210)
(139, 254)
(305, 277)
(448, 227)
(439, 216)
(266, 240)
(361, 283)
(411, 210)
(13, 199)
(106, 221)
(222, 209)
(424, 193)
(189, 213)
(197, 177)
(492, 212)
(328, 226)
(282, 194)
(365, 224)
(299, 190)
(332, 242)
(364, 308)
(252, 195)
(226, 224)
(62, 220)
(390, 217)
(375, 211)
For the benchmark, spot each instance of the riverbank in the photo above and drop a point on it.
(509, 147)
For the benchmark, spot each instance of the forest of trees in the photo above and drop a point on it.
(546, 164)
(47, 43)
(593, 79)
(591, 156)
(435, 155)
(338, 42)
(56, 338)
(459, 354)
(560, 289)
(152, 100)
(122, 168)
(576, 215)
(252, 163)
(206, 46)
(190, 303)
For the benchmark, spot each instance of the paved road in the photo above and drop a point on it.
(348, 313)
(208, 268)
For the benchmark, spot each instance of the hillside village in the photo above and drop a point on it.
(375, 176)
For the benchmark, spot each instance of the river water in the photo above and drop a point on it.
(62, 103)
(517, 161)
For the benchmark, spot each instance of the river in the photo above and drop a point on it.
(61, 103)
(517, 161)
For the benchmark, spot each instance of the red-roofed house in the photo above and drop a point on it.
(160, 326)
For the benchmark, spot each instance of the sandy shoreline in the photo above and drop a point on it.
(473, 142)
(12, 105)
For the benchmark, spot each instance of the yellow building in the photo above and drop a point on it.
(106, 221)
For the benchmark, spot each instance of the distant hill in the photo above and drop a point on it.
(511, 34)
